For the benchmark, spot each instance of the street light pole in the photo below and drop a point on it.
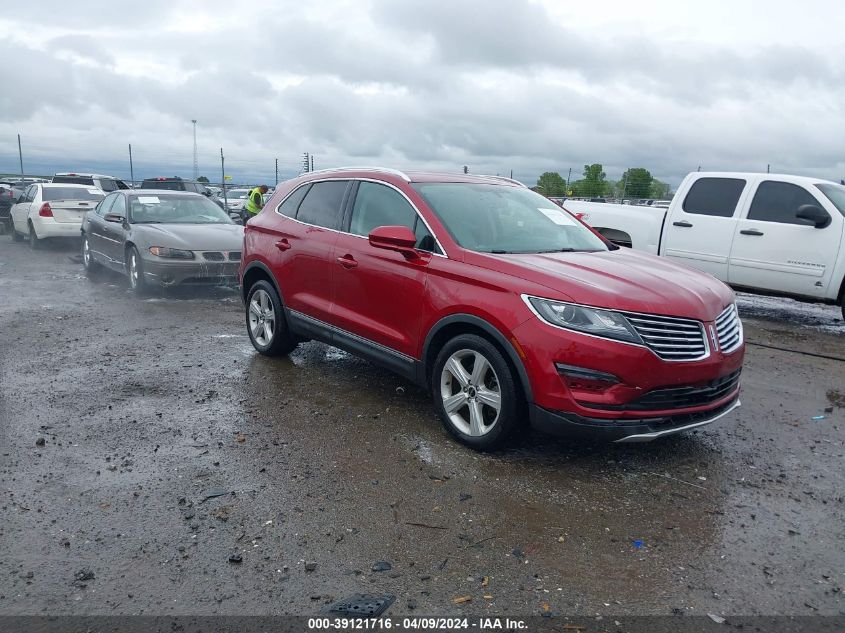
(20, 155)
(196, 162)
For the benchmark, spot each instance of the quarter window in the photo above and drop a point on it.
(714, 196)
(779, 202)
(321, 205)
(291, 203)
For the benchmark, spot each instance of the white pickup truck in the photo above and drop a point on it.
(764, 233)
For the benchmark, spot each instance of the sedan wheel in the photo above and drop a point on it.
(34, 242)
(470, 391)
(87, 259)
(135, 270)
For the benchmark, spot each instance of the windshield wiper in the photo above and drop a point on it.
(560, 250)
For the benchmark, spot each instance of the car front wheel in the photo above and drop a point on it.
(475, 393)
(265, 321)
(88, 262)
(135, 271)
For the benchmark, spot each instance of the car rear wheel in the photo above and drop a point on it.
(88, 262)
(135, 271)
(34, 242)
(475, 393)
(17, 237)
(265, 321)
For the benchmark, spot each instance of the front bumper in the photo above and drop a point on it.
(625, 430)
(189, 272)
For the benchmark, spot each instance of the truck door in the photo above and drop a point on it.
(775, 250)
(700, 227)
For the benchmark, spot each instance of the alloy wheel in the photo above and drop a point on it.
(133, 270)
(86, 252)
(262, 318)
(470, 391)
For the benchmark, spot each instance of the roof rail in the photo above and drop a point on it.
(504, 179)
(385, 170)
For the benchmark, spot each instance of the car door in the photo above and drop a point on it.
(114, 233)
(701, 228)
(95, 229)
(377, 293)
(775, 250)
(303, 238)
(20, 210)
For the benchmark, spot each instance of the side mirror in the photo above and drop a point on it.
(395, 238)
(815, 215)
(114, 217)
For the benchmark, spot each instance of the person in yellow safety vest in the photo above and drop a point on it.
(255, 202)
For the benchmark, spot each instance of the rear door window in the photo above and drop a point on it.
(73, 180)
(107, 184)
(321, 206)
(779, 202)
(714, 196)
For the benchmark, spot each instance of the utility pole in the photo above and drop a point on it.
(223, 180)
(20, 155)
(466, 169)
(131, 170)
(625, 184)
(276, 182)
(312, 162)
(306, 163)
(568, 178)
(511, 174)
(768, 167)
(196, 162)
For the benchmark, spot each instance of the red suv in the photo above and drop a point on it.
(497, 300)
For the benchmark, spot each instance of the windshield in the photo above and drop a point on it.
(504, 219)
(238, 194)
(836, 194)
(49, 194)
(172, 209)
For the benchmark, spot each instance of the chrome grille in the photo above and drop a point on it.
(728, 329)
(669, 337)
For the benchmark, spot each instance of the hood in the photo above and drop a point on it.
(237, 203)
(624, 280)
(194, 237)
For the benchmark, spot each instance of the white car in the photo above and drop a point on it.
(52, 210)
(237, 198)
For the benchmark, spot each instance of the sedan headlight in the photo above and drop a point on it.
(171, 253)
(604, 323)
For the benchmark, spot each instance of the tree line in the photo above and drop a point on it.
(636, 182)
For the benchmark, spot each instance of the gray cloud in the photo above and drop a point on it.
(495, 85)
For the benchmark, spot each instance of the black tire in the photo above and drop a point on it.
(91, 266)
(34, 242)
(17, 237)
(268, 303)
(510, 418)
(137, 283)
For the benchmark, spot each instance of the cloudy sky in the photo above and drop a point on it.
(497, 85)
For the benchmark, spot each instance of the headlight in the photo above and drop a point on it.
(171, 253)
(604, 323)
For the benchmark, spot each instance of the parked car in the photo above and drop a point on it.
(47, 210)
(237, 199)
(9, 193)
(105, 183)
(500, 302)
(162, 238)
(764, 233)
(175, 183)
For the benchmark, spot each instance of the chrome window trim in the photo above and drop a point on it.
(707, 348)
(363, 237)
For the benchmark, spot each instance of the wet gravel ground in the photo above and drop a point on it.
(152, 463)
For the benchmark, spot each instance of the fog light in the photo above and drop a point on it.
(583, 379)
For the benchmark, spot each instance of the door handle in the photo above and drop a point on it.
(682, 223)
(283, 244)
(347, 261)
(751, 232)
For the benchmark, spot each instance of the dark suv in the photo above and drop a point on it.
(175, 183)
(502, 304)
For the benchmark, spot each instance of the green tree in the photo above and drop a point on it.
(594, 182)
(637, 183)
(551, 183)
(202, 179)
(659, 190)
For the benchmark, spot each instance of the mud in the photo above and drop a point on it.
(181, 473)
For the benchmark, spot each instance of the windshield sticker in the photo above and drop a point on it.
(558, 216)
(148, 199)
